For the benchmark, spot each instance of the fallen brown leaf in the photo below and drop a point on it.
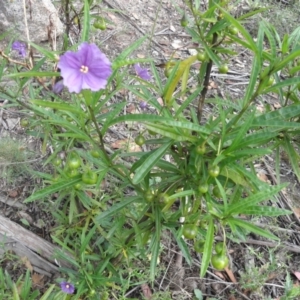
(27, 263)
(37, 279)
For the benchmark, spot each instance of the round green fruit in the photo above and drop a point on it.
(214, 171)
(168, 71)
(199, 246)
(100, 25)
(149, 196)
(219, 262)
(73, 161)
(163, 198)
(233, 30)
(223, 69)
(56, 162)
(203, 188)
(184, 22)
(95, 153)
(201, 149)
(201, 56)
(24, 122)
(71, 173)
(140, 140)
(216, 192)
(189, 231)
(77, 186)
(271, 81)
(89, 177)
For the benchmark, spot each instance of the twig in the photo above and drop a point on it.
(12, 60)
(27, 33)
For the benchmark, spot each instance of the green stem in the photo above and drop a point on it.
(101, 145)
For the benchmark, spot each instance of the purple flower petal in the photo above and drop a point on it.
(20, 47)
(143, 73)
(88, 68)
(67, 287)
(143, 105)
(58, 87)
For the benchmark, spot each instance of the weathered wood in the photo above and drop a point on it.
(25, 243)
(39, 264)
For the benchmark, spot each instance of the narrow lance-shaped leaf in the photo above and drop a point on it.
(149, 163)
(260, 196)
(181, 68)
(207, 248)
(86, 22)
(253, 228)
(53, 188)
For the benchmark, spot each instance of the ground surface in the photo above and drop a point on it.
(258, 268)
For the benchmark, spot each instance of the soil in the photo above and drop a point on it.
(258, 268)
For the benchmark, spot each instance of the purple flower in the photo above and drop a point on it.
(67, 287)
(143, 73)
(58, 87)
(88, 68)
(20, 47)
(143, 105)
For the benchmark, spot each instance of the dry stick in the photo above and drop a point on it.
(27, 34)
(12, 60)
(289, 247)
(206, 83)
(204, 91)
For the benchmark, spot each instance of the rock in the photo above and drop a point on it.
(42, 19)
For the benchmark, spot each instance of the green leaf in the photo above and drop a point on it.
(49, 54)
(182, 246)
(116, 208)
(268, 211)
(241, 29)
(86, 21)
(170, 88)
(111, 115)
(188, 101)
(287, 82)
(209, 238)
(257, 139)
(15, 292)
(228, 171)
(53, 188)
(286, 60)
(253, 228)
(293, 155)
(48, 292)
(241, 134)
(155, 244)
(279, 118)
(251, 13)
(256, 67)
(238, 208)
(33, 74)
(59, 106)
(85, 239)
(170, 132)
(149, 163)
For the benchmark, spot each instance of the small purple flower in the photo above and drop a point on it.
(88, 68)
(143, 73)
(67, 287)
(20, 47)
(143, 105)
(58, 87)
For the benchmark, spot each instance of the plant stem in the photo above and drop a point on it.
(101, 145)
